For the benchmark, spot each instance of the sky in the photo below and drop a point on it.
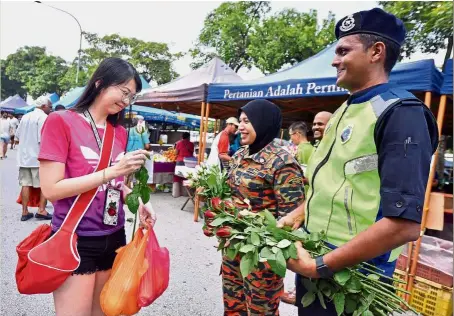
(173, 22)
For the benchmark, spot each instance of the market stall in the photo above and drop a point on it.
(189, 94)
(54, 98)
(310, 86)
(12, 103)
(414, 249)
(161, 167)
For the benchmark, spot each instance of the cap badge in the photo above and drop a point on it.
(347, 24)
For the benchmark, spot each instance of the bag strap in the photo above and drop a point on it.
(83, 201)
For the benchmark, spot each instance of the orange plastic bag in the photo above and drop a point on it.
(156, 280)
(120, 293)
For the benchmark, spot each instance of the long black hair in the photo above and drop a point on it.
(111, 71)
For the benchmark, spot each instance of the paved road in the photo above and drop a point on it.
(195, 285)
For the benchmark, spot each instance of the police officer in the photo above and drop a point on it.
(369, 173)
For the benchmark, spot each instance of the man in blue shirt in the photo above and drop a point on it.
(398, 134)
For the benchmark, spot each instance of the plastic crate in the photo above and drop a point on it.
(427, 297)
(426, 272)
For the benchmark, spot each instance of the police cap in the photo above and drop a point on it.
(376, 22)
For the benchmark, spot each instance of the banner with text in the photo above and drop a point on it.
(279, 90)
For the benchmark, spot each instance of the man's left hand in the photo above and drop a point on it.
(304, 265)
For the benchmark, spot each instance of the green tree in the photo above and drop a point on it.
(289, 37)
(10, 87)
(39, 72)
(429, 25)
(227, 33)
(152, 60)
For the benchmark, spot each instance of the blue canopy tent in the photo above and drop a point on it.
(163, 116)
(310, 86)
(70, 98)
(24, 110)
(145, 84)
(446, 88)
(11, 104)
(445, 107)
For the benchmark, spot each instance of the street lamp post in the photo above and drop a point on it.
(80, 40)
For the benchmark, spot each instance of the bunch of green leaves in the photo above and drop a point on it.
(359, 290)
(255, 237)
(212, 180)
(140, 189)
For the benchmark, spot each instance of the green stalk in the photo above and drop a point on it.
(382, 276)
(364, 277)
(395, 306)
(134, 226)
(382, 284)
(389, 296)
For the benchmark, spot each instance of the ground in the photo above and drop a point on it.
(195, 284)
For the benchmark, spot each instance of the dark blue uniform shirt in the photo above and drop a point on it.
(405, 137)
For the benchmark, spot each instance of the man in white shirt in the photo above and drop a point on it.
(29, 136)
(14, 122)
(5, 128)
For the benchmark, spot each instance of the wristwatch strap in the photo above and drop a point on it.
(322, 269)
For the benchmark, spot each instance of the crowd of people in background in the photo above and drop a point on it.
(8, 127)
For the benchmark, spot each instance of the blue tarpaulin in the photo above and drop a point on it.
(163, 116)
(315, 77)
(446, 88)
(11, 104)
(24, 110)
(70, 98)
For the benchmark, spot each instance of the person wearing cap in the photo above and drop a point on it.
(28, 135)
(369, 173)
(219, 154)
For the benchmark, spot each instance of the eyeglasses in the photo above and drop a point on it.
(128, 97)
(291, 134)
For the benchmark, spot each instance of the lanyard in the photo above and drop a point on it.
(94, 129)
(95, 132)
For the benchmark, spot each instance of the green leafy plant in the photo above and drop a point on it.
(140, 189)
(255, 239)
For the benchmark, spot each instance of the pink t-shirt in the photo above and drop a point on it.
(67, 137)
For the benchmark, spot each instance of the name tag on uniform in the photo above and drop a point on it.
(111, 207)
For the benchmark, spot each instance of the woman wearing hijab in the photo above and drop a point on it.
(268, 176)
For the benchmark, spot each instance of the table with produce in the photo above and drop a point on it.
(161, 167)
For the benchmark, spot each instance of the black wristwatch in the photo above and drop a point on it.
(322, 269)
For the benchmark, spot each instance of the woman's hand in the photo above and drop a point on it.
(130, 163)
(291, 220)
(147, 216)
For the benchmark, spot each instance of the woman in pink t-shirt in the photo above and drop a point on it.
(69, 154)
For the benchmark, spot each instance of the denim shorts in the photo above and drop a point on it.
(97, 253)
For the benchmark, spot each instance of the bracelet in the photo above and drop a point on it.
(104, 176)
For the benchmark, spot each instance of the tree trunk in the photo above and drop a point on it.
(448, 51)
(238, 67)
